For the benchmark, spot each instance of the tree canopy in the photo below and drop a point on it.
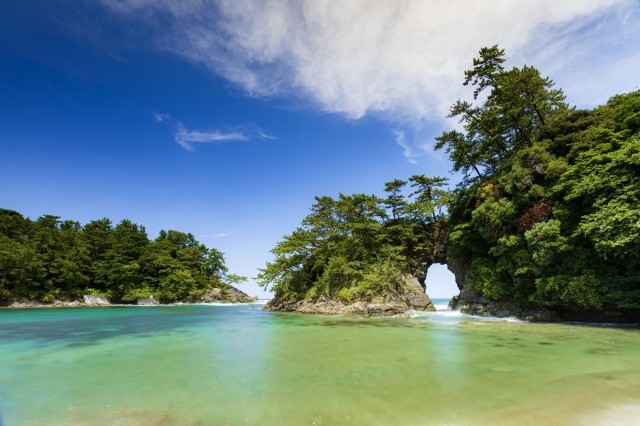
(549, 212)
(355, 246)
(52, 259)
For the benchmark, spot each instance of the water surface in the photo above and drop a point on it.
(240, 365)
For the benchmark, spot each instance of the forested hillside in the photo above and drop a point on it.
(547, 214)
(51, 259)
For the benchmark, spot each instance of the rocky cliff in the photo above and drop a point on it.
(405, 295)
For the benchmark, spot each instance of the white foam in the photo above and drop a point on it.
(446, 315)
(211, 304)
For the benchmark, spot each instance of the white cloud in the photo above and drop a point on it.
(187, 138)
(402, 60)
(219, 234)
(223, 234)
(158, 117)
(407, 150)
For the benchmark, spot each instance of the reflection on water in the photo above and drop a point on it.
(241, 365)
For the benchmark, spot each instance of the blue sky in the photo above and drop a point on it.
(225, 119)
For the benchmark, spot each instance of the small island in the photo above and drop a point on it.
(544, 224)
(50, 262)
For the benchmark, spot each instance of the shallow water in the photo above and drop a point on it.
(241, 365)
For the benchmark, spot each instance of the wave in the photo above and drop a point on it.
(445, 314)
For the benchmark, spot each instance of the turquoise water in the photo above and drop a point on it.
(240, 365)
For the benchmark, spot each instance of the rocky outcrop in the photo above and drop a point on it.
(324, 306)
(228, 294)
(26, 303)
(90, 300)
(405, 296)
(472, 302)
(147, 301)
(413, 295)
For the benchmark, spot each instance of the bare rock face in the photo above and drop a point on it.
(324, 306)
(148, 301)
(91, 300)
(229, 294)
(414, 296)
(406, 295)
(212, 296)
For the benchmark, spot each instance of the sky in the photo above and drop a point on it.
(226, 118)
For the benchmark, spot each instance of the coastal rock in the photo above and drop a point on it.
(24, 304)
(385, 309)
(472, 302)
(324, 306)
(407, 294)
(453, 303)
(228, 294)
(69, 304)
(90, 300)
(212, 296)
(147, 301)
(27, 304)
(414, 295)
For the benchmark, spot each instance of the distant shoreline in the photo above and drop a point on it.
(75, 304)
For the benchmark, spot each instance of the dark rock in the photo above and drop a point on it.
(472, 302)
(453, 303)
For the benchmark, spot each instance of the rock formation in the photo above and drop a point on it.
(90, 300)
(228, 294)
(406, 295)
(147, 301)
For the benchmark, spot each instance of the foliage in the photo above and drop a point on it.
(358, 246)
(50, 259)
(549, 211)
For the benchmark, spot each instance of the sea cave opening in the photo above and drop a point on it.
(440, 283)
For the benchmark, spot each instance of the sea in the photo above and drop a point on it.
(241, 365)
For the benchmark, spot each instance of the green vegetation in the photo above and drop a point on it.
(547, 213)
(49, 259)
(549, 210)
(357, 246)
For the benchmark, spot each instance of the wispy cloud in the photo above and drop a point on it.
(223, 234)
(158, 117)
(417, 146)
(189, 138)
(219, 234)
(402, 60)
(408, 151)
